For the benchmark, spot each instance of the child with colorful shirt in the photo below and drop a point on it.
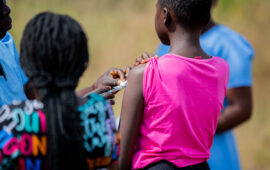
(171, 105)
(52, 132)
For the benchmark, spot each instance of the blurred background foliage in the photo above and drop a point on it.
(119, 30)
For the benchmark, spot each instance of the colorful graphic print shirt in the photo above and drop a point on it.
(23, 141)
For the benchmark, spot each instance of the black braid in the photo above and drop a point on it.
(54, 54)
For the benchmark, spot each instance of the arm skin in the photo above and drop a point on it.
(238, 111)
(109, 79)
(105, 83)
(131, 116)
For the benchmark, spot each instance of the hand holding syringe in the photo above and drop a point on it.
(122, 83)
(145, 58)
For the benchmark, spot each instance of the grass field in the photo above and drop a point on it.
(119, 31)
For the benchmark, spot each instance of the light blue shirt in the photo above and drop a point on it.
(223, 42)
(11, 87)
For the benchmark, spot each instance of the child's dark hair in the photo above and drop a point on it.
(191, 14)
(54, 54)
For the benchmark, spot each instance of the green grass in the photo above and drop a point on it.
(120, 30)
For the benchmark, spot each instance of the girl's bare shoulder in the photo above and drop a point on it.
(137, 71)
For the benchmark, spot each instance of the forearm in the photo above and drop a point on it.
(84, 92)
(232, 117)
(129, 130)
(127, 149)
(104, 83)
(238, 111)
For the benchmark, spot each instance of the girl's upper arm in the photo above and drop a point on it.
(131, 115)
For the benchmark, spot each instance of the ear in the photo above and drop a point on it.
(166, 16)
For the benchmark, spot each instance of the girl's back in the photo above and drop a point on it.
(24, 134)
(183, 99)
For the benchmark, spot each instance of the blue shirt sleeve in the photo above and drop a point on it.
(239, 55)
(22, 74)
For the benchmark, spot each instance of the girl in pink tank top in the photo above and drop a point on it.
(171, 105)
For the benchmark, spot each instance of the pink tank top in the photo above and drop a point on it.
(183, 100)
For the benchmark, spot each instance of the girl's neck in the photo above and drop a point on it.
(186, 44)
(210, 25)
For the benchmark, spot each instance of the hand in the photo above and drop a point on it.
(112, 77)
(106, 82)
(145, 58)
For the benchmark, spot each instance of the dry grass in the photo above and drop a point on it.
(120, 30)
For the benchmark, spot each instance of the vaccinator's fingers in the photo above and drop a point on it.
(126, 71)
(117, 73)
(108, 95)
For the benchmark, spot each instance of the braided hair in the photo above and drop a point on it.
(54, 54)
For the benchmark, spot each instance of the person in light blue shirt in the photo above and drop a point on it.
(219, 40)
(12, 78)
